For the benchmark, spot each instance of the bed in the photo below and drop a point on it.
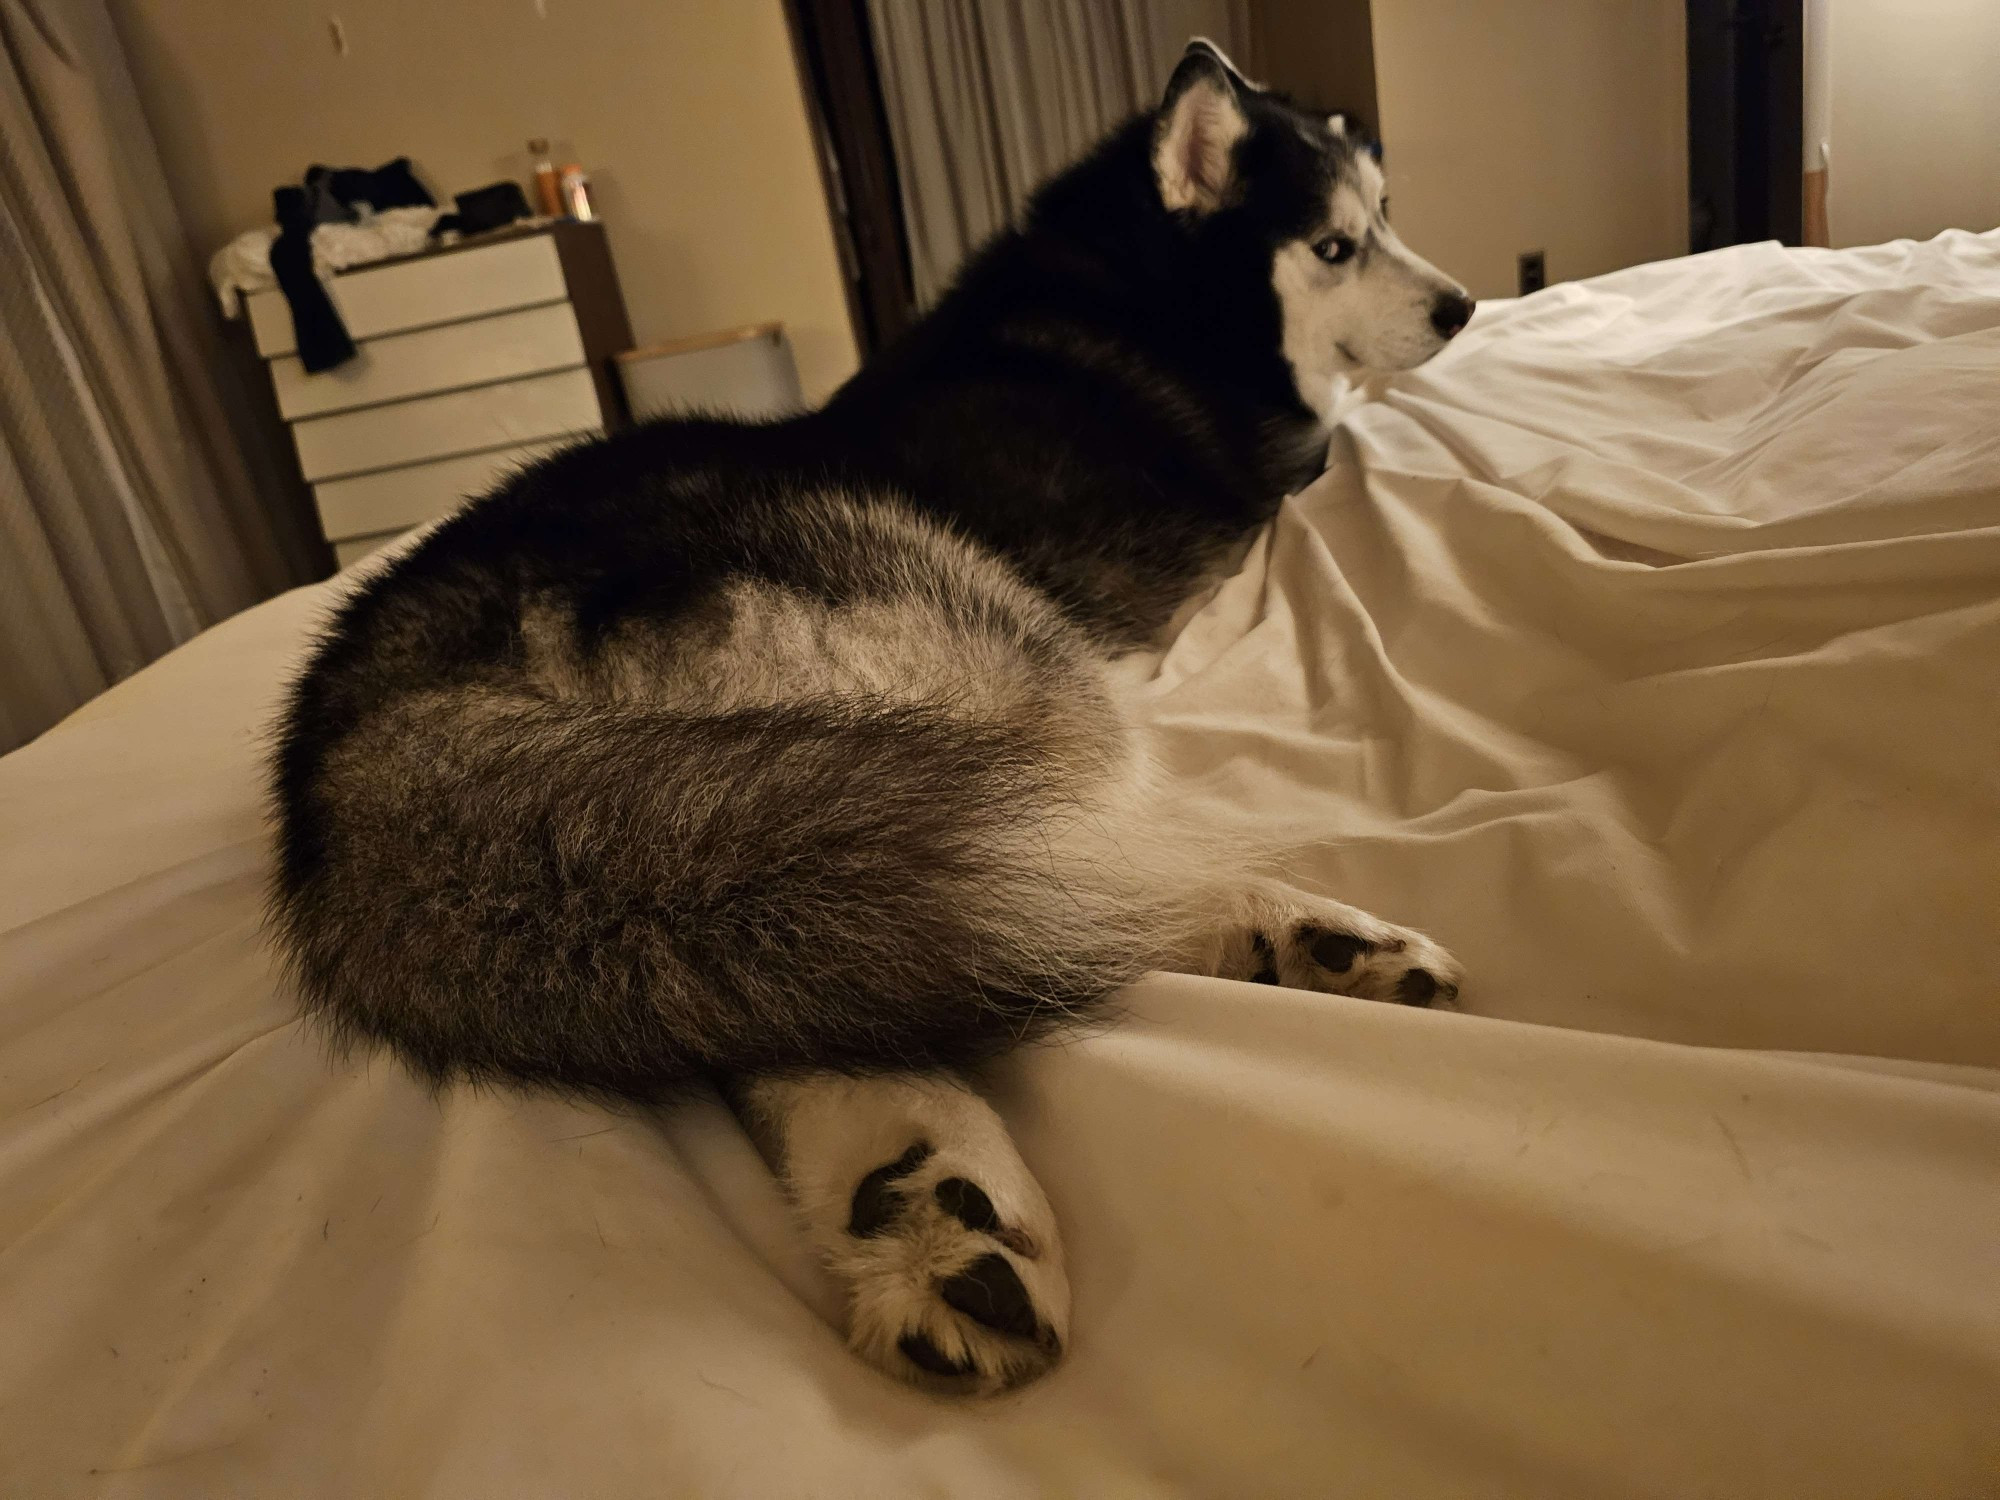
(1645, 648)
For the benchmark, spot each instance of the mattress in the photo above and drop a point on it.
(1644, 648)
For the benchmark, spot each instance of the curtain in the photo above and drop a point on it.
(139, 501)
(986, 98)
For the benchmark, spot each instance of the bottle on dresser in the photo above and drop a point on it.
(576, 193)
(548, 188)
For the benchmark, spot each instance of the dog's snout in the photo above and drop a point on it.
(1451, 312)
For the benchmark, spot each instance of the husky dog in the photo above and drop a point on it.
(792, 757)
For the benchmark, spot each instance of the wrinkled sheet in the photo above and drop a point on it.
(1645, 648)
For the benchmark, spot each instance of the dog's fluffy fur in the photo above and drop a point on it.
(739, 750)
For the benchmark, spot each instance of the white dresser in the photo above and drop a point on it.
(471, 360)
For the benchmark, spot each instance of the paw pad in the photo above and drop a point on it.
(1421, 987)
(925, 1355)
(1266, 970)
(989, 1291)
(876, 1202)
(1334, 951)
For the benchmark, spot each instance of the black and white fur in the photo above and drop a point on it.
(792, 757)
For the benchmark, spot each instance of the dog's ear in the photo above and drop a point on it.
(1346, 128)
(1200, 121)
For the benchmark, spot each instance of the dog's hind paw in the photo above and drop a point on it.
(954, 1270)
(913, 1193)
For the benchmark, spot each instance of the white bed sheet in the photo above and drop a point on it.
(1646, 648)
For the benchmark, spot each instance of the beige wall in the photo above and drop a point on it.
(1916, 118)
(1558, 125)
(687, 114)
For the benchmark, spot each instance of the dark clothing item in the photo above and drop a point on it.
(323, 341)
(330, 195)
(392, 185)
(485, 208)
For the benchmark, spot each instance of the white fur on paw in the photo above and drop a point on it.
(954, 1270)
(1323, 945)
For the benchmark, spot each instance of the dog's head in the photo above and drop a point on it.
(1232, 160)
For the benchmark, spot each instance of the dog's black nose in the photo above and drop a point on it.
(1451, 312)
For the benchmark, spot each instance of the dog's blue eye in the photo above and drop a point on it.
(1335, 249)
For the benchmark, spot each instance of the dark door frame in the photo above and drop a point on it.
(843, 87)
(1746, 121)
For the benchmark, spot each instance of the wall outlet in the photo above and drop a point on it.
(1534, 271)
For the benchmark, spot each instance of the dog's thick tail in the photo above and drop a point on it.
(609, 896)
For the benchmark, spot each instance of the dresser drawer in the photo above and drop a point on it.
(526, 342)
(441, 288)
(391, 499)
(487, 416)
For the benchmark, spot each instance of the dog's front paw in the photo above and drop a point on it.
(1383, 962)
(1337, 950)
(954, 1271)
